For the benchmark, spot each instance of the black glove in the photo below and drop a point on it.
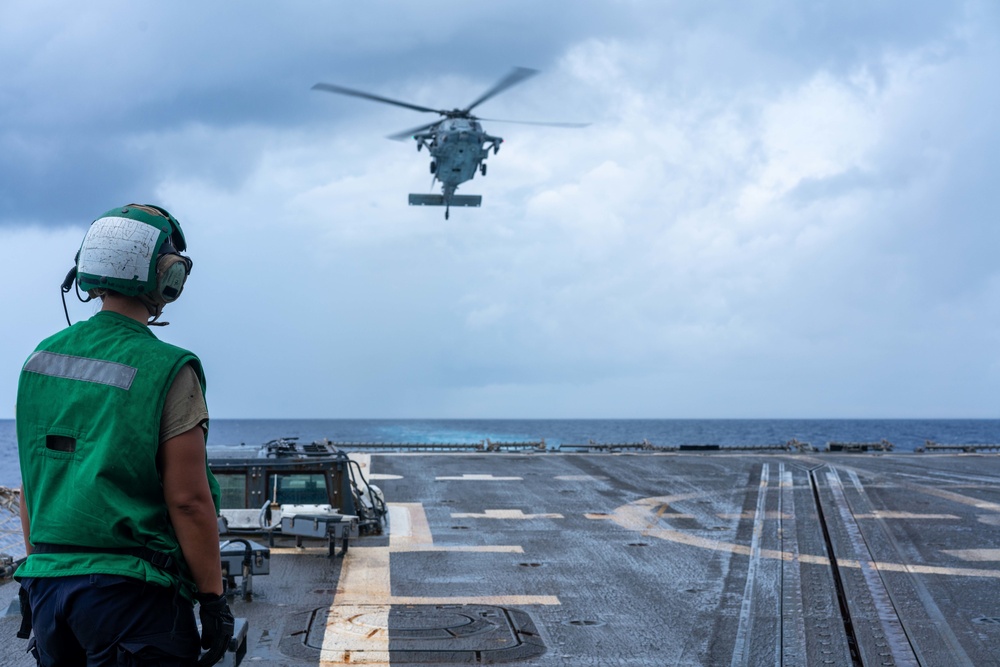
(25, 630)
(217, 626)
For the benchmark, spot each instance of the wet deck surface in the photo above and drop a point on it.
(646, 559)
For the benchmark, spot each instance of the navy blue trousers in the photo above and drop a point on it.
(104, 620)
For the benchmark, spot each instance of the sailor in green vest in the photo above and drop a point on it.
(118, 506)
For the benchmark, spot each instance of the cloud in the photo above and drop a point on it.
(776, 211)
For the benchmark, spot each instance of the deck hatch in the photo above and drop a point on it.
(441, 634)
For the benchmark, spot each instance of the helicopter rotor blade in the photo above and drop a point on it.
(516, 76)
(533, 122)
(406, 134)
(329, 87)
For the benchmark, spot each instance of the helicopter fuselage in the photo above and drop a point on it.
(458, 147)
(457, 143)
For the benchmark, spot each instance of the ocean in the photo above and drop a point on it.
(905, 434)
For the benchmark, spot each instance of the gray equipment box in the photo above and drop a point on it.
(324, 526)
(234, 552)
(237, 645)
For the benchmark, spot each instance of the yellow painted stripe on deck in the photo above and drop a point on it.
(357, 629)
(959, 498)
(642, 516)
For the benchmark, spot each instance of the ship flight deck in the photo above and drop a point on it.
(643, 559)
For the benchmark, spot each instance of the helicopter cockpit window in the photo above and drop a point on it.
(300, 488)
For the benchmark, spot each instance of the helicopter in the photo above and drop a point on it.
(457, 143)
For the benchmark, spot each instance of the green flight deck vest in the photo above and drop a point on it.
(89, 404)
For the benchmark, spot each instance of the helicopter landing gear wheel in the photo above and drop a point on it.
(434, 167)
(482, 169)
(446, 214)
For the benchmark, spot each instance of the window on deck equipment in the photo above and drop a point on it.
(234, 490)
(302, 488)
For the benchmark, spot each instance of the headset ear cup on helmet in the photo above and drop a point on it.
(171, 273)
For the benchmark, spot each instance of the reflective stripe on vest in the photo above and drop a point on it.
(81, 368)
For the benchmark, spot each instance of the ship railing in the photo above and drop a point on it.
(592, 446)
(481, 446)
(859, 447)
(974, 448)
(646, 446)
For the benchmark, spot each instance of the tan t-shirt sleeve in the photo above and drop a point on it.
(185, 406)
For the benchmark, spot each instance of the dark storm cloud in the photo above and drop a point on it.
(87, 92)
(82, 99)
(79, 179)
(803, 186)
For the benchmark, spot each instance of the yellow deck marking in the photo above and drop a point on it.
(503, 514)
(411, 532)
(364, 576)
(408, 526)
(959, 498)
(642, 515)
(469, 477)
(357, 626)
(974, 554)
(358, 620)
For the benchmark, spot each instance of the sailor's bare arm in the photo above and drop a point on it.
(189, 503)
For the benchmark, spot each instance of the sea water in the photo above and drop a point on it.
(905, 434)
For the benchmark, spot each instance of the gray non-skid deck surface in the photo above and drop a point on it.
(642, 559)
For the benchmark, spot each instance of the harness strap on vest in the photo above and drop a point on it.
(157, 558)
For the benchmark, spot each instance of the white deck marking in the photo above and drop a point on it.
(982, 555)
(469, 477)
(879, 514)
(377, 476)
(363, 460)
(768, 516)
(468, 548)
(503, 514)
(741, 653)
(580, 478)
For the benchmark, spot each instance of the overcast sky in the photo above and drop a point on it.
(780, 209)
